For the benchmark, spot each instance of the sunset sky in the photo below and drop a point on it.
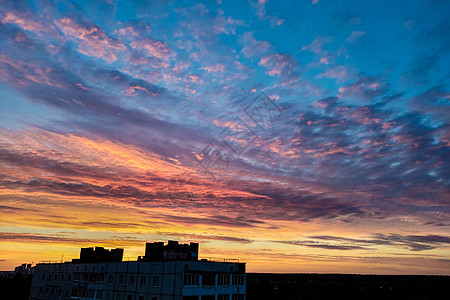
(295, 136)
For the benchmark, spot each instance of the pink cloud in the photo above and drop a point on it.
(365, 87)
(133, 29)
(214, 68)
(324, 60)
(30, 73)
(252, 46)
(153, 48)
(354, 36)
(338, 72)
(260, 8)
(132, 91)
(278, 64)
(92, 40)
(226, 25)
(127, 31)
(317, 44)
(26, 23)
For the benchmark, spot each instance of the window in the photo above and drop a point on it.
(131, 280)
(191, 279)
(55, 278)
(223, 297)
(82, 293)
(130, 297)
(238, 280)
(108, 296)
(69, 277)
(41, 289)
(50, 277)
(155, 281)
(142, 280)
(66, 293)
(223, 280)
(110, 279)
(141, 297)
(53, 292)
(46, 291)
(208, 279)
(120, 279)
(118, 297)
(43, 276)
(238, 297)
(59, 292)
(62, 277)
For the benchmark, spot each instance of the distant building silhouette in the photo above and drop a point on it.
(23, 270)
(165, 272)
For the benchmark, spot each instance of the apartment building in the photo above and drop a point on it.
(171, 271)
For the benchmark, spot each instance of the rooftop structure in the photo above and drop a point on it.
(157, 251)
(99, 254)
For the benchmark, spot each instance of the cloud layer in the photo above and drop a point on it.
(240, 127)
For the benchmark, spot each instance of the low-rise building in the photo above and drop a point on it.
(170, 271)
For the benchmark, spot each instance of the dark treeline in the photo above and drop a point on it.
(16, 287)
(342, 286)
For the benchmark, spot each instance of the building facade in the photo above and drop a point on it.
(166, 272)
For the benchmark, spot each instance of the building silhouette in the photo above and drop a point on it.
(171, 271)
